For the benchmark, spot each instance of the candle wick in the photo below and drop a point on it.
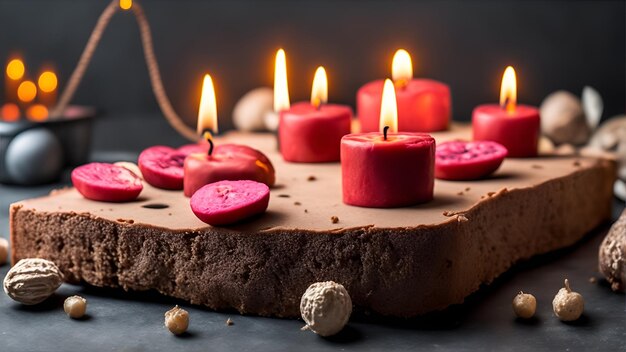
(209, 138)
(505, 104)
(385, 129)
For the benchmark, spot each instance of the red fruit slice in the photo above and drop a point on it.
(468, 160)
(106, 182)
(227, 202)
(162, 166)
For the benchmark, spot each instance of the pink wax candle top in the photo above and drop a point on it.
(162, 166)
(458, 160)
(423, 105)
(387, 169)
(311, 132)
(106, 182)
(514, 126)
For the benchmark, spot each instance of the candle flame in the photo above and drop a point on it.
(281, 89)
(508, 90)
(319, 91)
(26, 91)
(401, 67)
(15, 69)
(207, 114)
(389, 108)
(126, 4)
(37, 112)
(47, 81)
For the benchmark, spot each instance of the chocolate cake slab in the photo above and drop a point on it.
(399, 262)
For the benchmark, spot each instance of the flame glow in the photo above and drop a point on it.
(27, 91)
(281, 89)
(401, 67)
(389, 108)
(508, 90)
(126, 4)
(319, 91)
(15, 69)
(37, 112)
(47, 81)
(207, 114)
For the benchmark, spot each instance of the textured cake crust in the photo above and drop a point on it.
(401, 272)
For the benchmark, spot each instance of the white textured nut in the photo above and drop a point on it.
(524, 305)
(32, 280)
(326, 307)
(567, 304)
(4, 250)
(563, 119)
(75, 307)
(177, 320)
(250, 110)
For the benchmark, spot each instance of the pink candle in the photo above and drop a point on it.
(384, 170)
(514, 126)
(311, 132)
(424, 105)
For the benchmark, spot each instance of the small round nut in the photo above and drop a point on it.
(32, 280)
(568, 305)
(326, 307)
(524, 305)
(177, 320)
(4, 251)
(75, 307)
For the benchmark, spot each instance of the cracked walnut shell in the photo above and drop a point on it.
(32, 280)
(326, 307)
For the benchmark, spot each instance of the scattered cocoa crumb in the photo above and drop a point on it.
(592, 280)
(311, 178)
(447, 213)
(577, 163)
(229, 322)
(489, 194)
(461, 218)
(334, 219)
(306, 211)
(535, 166)
(284, 195)
(460, 193)
(169, 214)
(130, 221)
(297, 203)
(467, 189)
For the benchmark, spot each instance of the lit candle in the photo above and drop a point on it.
(424, 105)
(281, 91)
(514, 126)
(311, 132)
(222, 162)
(387, 169)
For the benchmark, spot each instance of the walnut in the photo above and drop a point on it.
(32, 280)
(612, 253)
(326, 307)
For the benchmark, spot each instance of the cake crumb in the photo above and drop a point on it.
(229, 322)
(169, 214)
(311, 178)
(577, 163)
(489, 194)
(460, 193)
(461, 218)
(535, 166)
(284, 196)
(334, 219)
(306, 210)
(467, 189)
(297, 203)
(593, 280)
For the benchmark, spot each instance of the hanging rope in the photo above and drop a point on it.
(153, 69)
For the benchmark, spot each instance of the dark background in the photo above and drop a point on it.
(552, 44)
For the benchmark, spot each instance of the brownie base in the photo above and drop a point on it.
(400, 272)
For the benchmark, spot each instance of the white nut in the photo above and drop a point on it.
(326, 307)
(32, 280)
(250, 110)
(563, 119)
(75, 307)
(4, 251)
(177, 320)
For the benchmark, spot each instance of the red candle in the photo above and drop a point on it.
(385, 170)
(311, 132)
(514, 126)
(424, 105)
(225, 162)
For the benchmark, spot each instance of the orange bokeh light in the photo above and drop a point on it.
(10, 112)
(27, 91)
(16, 69)
(47, 81)
(126, 4)
(37, 112)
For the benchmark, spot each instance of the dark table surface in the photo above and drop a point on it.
(123, 321)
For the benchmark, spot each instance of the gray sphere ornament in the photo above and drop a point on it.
(34, 157)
